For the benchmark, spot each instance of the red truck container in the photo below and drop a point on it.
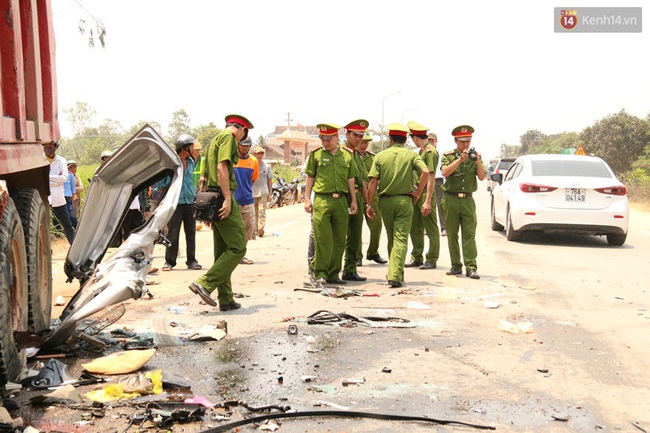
(28, 118)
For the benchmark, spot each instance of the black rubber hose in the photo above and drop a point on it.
(344, 414)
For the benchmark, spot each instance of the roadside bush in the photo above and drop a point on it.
(637, 182)
(286, 172)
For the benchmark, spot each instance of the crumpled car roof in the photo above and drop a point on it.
(142, 161)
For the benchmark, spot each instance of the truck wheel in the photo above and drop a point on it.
(13, 294)
(36, 228)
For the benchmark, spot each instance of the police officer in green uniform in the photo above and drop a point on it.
(330, 171)
(354, 132)
(424, 224)
(374, 225)
(461, 171)
(229, 233)
(393, 171)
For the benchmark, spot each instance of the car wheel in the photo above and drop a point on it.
(36, 228)
(493, 221)
(616, 239)
(511, 234)
(13, 294)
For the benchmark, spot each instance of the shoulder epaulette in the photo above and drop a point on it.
(372, 153)
(450, 152)
(347, 148)
(317, 148)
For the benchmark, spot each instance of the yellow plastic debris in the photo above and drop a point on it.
(120, 362)
(116, 391)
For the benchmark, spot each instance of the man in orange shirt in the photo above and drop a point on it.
(246, 172)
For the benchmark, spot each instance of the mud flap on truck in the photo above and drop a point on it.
(142, 161)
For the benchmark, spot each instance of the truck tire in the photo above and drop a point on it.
(36, 229)
(13, 294)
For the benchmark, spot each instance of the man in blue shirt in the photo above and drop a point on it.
(69, 190)
(184, 212)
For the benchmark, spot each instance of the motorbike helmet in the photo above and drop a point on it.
(183, 141)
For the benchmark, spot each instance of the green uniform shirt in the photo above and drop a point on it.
(395, 168)
(463, 179)
(430, 157)
(367, 160)
(222, 148)
(362, 176)
(331, 172)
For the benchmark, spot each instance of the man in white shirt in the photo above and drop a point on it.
(440, 179)
(262, 188)
(58, 176)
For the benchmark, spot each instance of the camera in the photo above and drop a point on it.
(471, 152)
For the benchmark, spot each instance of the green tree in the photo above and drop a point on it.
(205, 133)
(261, 140)
(529, 140)
(508, 150)
(80, 116)
(619, 139)
(180, 124)
(556, 142)
(138, 126)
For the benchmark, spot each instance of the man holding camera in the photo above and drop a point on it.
(461, 167)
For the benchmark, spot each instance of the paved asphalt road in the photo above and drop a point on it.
(583, 366)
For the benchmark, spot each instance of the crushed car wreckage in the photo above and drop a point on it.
(140, 163)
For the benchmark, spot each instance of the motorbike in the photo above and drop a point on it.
(282, 193)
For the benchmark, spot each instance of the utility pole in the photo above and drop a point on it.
(289, 119)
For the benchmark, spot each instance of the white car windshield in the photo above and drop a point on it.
(570, 168)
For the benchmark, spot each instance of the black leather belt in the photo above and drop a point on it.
(332, 194)
(459, 194)
(394, 195)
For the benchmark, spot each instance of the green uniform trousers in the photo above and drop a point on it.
(330, 228)
(374, 225)
(353, 239)
(425, 224)
(229, 237)
(460, 212)
(397, 214)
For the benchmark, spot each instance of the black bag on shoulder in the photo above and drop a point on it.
(207, 205)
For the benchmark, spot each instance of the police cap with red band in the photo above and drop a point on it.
(240, 120)
(328, 128)
(397, 129)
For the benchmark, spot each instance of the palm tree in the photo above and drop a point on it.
(261, 140)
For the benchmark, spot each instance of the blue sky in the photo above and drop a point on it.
(497, 66)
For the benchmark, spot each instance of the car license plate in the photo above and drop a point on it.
(575, 194)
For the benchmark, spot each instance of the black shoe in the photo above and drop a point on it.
(336, 281)
(471, 273)
(443, 232)
(377, 259)
(428, 265)
(454, 271)
(203, 293)
(413, 264)
(230, 306)
(359, 262)
(394, 284)
(353, 276)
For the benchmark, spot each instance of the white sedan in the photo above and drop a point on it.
(560, 193)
